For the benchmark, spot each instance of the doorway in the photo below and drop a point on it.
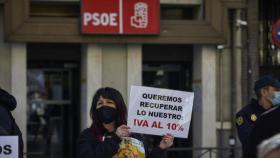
(53, 100)
(170, 67)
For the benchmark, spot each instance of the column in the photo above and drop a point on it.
(91, 79)
(204, 86)
(19, 86)
(134, 66)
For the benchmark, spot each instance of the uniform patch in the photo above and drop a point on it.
(253, 117)
(239, 120)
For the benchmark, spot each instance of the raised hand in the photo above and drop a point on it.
(166, 141)
(122, 131)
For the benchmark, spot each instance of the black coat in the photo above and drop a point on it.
(266, 126)
(8, 125)
(245, 121)
(90, 147)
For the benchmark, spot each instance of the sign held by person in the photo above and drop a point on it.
(159, 111)
(9, 147)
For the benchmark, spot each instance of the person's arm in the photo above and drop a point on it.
(244, 128)
(260, 132)
(91, 148)
(8, 99)
(5, 120)
(156, 152)
(3, 131)
(165, 143)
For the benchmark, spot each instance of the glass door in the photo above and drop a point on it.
(170, 75)
(52, 114)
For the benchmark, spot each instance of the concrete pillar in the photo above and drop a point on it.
(117, 66)
(238, 62)
(5, 69)
(224, 84)
(5, 57)
(134, 66)
(114, 67)
(238, 72)
(19, 86)
(91, 79)
(204, 86)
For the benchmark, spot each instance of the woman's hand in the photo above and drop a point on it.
(122, 131)
(166, 141)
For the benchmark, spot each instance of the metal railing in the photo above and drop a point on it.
(210, 152)
(202, 152)
(33, 154)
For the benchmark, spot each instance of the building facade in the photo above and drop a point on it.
(53, 69)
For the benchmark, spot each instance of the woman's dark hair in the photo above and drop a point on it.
(112, 94)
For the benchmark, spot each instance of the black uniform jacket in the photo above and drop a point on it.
(266, 126)
(8, 125)
(246, 119)
(90, 147)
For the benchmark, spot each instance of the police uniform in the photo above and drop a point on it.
(266, 127)
(245, 120)
(247, 117)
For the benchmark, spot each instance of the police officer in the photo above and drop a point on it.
(264, 88)
(266, 127)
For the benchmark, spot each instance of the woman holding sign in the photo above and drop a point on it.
(108, 136)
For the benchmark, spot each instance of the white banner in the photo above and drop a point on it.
(160, 111)
(9, 147)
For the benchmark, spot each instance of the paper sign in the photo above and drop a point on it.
(9, 147)
(159, 111)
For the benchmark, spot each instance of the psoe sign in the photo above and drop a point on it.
(120, 16)
(9, 147)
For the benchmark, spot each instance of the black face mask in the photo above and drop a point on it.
(107, 114)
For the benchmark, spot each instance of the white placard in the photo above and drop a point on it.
(9, 147)
(159, 111)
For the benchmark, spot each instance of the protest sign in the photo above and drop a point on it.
(159, 111)
(9, 147)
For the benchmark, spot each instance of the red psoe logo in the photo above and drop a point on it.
(120, 16)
